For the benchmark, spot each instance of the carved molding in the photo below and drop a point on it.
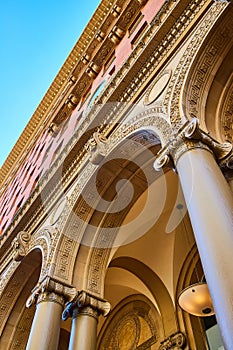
(173, 95)
(50, 289)
(176, 341)
(96, 147)
(85, 302)
(203, 68)
(20, 245)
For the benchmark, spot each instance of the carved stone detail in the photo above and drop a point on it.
(85, 302)
(190, 136)
(177, 81)
(50, 289)
(51, 297)
(96, 146)
(175, 341)
(20, 245)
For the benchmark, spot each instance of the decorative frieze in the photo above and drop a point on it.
(86, 302)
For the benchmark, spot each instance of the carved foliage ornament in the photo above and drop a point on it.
(190, 136)
(96, 147)
(50, 289)
(84, 300)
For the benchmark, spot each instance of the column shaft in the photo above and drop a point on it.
(45, 328)
(210, 205)
(84, 330)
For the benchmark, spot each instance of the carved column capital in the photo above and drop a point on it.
(175, 341)
(49, 289)
(20, 245)
(190, 136)
(86, 303)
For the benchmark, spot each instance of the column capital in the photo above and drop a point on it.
(189, 137)
(87, 303)
(50, 289)
(174, 341)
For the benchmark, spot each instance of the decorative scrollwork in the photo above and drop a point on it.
(48, 288)
(20, 245)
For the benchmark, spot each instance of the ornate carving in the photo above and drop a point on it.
(20, 245)
(177, 81)
(116, 10)
(175, 341)
(72, 101)
(52, 290)
(96, 146)
(93, 70)
(190, 136)
(116, 35)
(227, 115)
(86, 302)
(202, 75)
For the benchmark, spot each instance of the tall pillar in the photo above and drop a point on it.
(85, 310)
(49, 297)
(210, 205)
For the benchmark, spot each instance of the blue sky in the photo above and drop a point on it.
(35, 39)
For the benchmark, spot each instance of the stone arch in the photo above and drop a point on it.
(156, 287)
(208, 87)
(42, 240)
(14, 313)
(175, 101)
(143, 131)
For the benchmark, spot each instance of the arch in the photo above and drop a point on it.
(43, 240)
(209, 83)
(175, 99)
(86, 216)
(156, 287)
(13, 300)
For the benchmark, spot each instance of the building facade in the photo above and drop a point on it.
(118, 194)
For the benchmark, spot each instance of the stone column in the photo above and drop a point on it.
(85, 310)
(210, 205)
(49, 296)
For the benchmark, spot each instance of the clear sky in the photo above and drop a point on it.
(35, 40)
